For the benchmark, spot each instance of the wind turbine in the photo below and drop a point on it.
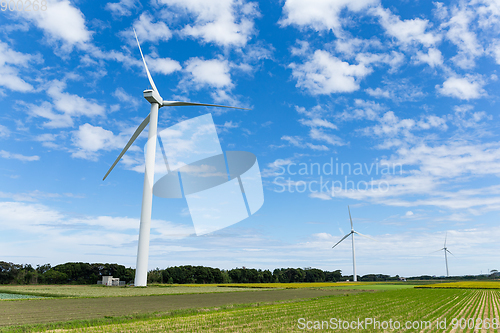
(445, 249)
(153, 97)
(353, 250)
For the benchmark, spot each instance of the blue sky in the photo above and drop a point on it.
(404, 94)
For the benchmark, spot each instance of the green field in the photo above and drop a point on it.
(271, 310)
(16, 296)
(466, 285)
(102, 291)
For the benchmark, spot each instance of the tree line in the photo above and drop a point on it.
(201, 274)
(68, 273)
(86, 273)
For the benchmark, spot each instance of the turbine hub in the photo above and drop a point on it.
(152, 96)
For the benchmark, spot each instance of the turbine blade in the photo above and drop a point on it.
(450, 252)
(137, 132)
(437, 251)
(178, 103)
(446, 236)
(342, 239)
(365, 236)
(151, 82)
(352, 228)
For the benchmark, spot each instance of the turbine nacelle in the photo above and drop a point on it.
(353, 251)
(152, 96)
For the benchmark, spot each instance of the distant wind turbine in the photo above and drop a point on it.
(445, 249)
(353, 250)
(153, 97)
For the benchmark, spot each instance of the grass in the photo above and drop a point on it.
(103, 291)
(466, 285)
(375, 287)
(200, 309)
(16, 296)
(342, 285)
(168, 289)
(404, 305)
(89, 311)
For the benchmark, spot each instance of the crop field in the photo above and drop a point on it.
(342, 285)
(16, 296)
(167, 289)
(52, 310)
(390, 308)
(422, 309)
(102, 291)
(466, 285)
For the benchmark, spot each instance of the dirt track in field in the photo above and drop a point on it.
(41, 311)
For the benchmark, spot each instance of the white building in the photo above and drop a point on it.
(110, 281)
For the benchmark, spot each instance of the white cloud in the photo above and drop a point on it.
(273, 168)
(227, 126)
(391, 125)
(464, 118)
(399, 132)
(317, 122)
(401, 90)
(10, 60)
(468, 87)
(378, 92)
(90, 139)
(317, 127)
(163, 65)
(320, 195)
(35, 195)
(325, 74)
(4, 132)
(61, 21)
(435, 171)
(406, 31)
(64, 107)
(222, 96)
(431, 121)
(212, 73)
(49, 140)
(52, 236)
(465, 39)
(148, 31)
(393, 59)
(353, 46)
(494, 50)
(27, 217)
(9, 79)
(298, 142)
(433, 57)
(319, 135)
(361, 110)
(124, 99)
(121, 8)
(320, 14)
(8, 155)
(223, 22)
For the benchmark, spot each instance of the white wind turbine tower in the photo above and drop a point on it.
(153, 97)
(355, 278)
(445, 249)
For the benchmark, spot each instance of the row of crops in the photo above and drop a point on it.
(413, 310)
(465, 285)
